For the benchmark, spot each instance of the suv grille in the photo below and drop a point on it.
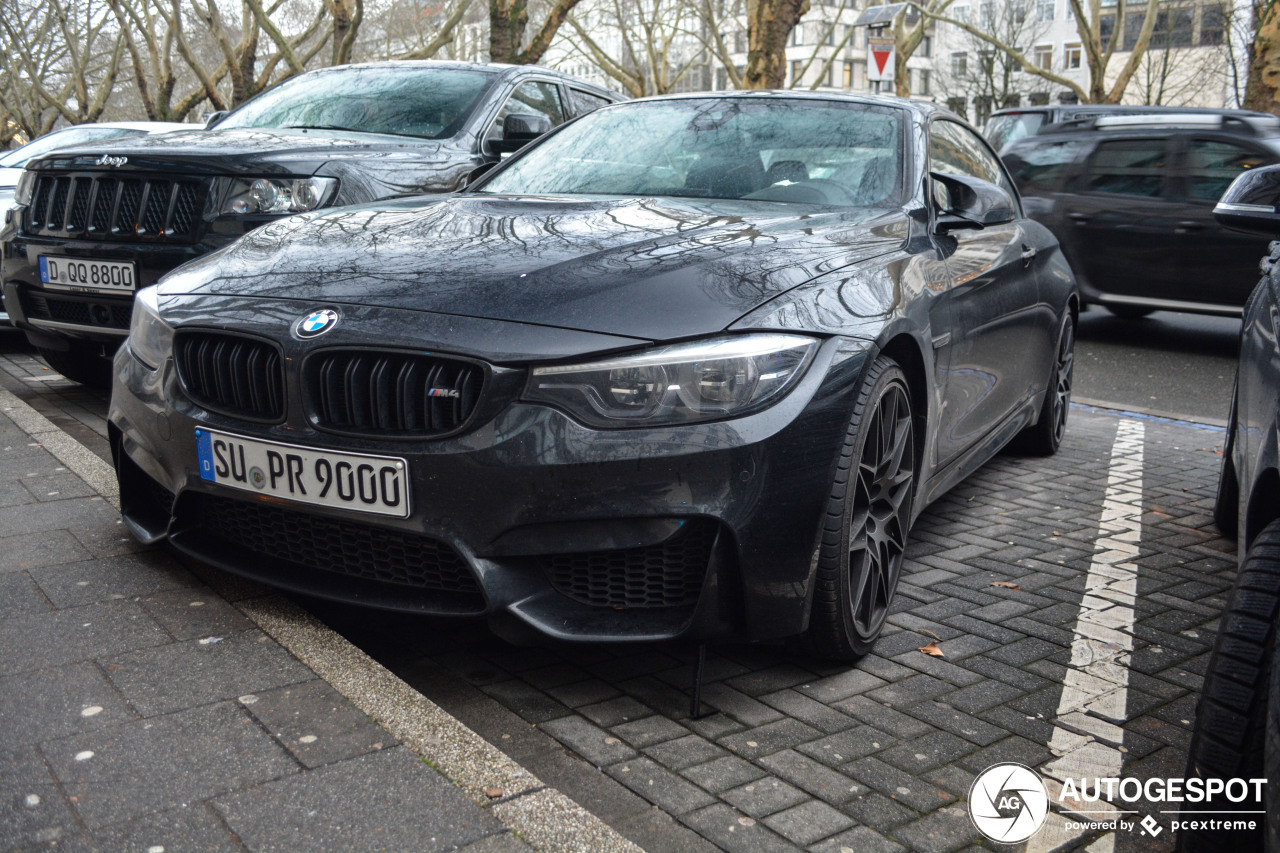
(231, 374)
(119, 209)
(666, 575)
(392, 393)
(332, 545)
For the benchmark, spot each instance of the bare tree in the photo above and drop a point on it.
(769, 26)
(647, 46)
(1175, 70)
(1262, 51)
(984, 75)
(1101, 31)
(721, 29)
(508, 20)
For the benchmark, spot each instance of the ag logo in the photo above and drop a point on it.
(316, 323)
(1008, 803)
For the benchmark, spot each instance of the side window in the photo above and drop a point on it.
(956, 150)
(1041, 166)
(1212, 166)
(534, 97)
(1127, 167)
(584, 102)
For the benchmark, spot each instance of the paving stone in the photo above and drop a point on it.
(651, 730)
(684, 752)
(875, 809)
(741, 707)
(660, 786)
(733, 831)
(721, 774)
(925, 753)
(195, 613)
(909, 691)
(805, 773)
(88, 515)
(19, 596)
(33, 809)
(316, 723)
(808, 822)
(615, 711)
(591, 742)
(65, 636)
(590, 692)
(168, 761)
(186, 828)
(330, 809)
(945, 830)
(844, 747)
(876, 714)
(764, 797)
(1023, 652)
(981, 696)
(957, 722)
(841, 685)
(773, 737)
(806, 710)
(74, 584)
(527, 701)
(770, 680)
(45, 704)
(897, 785)
(195, 672)
(860, 839)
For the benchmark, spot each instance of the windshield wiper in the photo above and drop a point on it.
(325, 127)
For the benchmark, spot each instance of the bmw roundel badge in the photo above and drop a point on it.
(316, 323)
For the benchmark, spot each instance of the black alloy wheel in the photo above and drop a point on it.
(1226, 503)
(868, 518)
(1045, 436)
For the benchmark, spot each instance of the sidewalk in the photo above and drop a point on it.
(146, 704)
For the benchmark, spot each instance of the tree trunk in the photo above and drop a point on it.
(769, 26)
(507, 21)
(1261, 89)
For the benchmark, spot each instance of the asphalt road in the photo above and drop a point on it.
(1171, 364)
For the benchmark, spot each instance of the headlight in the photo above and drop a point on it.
(26, 183)
(678, 384)
(254, 196)
(150, 338)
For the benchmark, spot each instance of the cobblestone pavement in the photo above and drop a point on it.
(801, 754)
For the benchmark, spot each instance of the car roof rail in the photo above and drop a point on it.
(1243, 122)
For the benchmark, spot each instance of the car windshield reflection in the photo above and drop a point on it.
(796, 151)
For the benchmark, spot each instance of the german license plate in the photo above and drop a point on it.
(351, 481)
(83, 274)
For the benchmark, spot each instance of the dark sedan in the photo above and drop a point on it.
(689, 366)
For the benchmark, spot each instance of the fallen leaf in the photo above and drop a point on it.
(1006, 584)
(1057, 533)
(493, 793)
(929, 633)
(932, 649)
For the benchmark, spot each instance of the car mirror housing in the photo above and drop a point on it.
(214, 118)
(519, 129)
(974, 203)
(1250, 203)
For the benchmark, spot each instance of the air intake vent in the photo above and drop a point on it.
(391, 393)
(237, 376)
(131, 208)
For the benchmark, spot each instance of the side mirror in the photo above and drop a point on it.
(972, 203)
(519, 129)
(214, 118)
(1250, 204)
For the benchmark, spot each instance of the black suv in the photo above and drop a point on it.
(1131, 198)
(94, 224)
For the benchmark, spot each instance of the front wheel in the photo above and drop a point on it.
(1231, 738)
(1045, 436)
(1226, 503)
(868, 516)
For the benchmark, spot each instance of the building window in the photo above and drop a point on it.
(926, 47)
(1071, 56)
(740, 41)
(961, 13)
(1173, 28)
(1011, 101)
(797, 34)
(1044, 10)
(1213, 25)
(1039, 99)
(1043, 56)
(959, 64)
(796, 67)
(829, 37)
(1106, 29)
(922, 82)
(981, 109)
(848, 75)
(986, 62)
(958, 106)
(986, 13)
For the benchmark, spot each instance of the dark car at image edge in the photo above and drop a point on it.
(686, 367)
(95, 224)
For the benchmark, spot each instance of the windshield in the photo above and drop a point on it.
(799, 151)
(1004, 130)
(62, 139)
(431, 103)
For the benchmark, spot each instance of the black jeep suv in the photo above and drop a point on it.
(95, 223)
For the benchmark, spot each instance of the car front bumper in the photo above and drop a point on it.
(591, 535)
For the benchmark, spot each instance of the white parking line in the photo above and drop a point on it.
(1088, 734)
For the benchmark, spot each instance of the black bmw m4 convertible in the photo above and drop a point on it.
(688, 367)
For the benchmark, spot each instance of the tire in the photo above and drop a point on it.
(1044, 437)
(1231, 736)
(1226, 503)
(868, 516)
(80, 364)
(1129, 312)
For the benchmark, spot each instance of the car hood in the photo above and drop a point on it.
(645, 268)
(249, 151)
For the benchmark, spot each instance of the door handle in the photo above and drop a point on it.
(1078, 217)
(1188, 226)
(1028, 254)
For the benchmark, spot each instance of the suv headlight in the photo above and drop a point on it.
(150, 338)
(256, 196)
(678, 384)
(26, 183)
